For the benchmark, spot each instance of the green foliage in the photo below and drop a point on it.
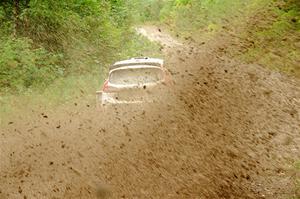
(297, 180)
(191, 15)
(275, 35)
(21, 66)
(297, 165)
(47, 39)
(182, 2)
(147, 10)
(2, 13)
(273, 27)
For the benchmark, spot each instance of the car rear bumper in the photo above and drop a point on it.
(111, 98)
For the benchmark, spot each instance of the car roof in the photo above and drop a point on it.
(138, 61)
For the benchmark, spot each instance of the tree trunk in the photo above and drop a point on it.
(16, 12)
(27, 3)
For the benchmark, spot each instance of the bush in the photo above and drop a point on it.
(22, 66)
(48, 39)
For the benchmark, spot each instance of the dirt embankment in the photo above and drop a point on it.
(225, 130)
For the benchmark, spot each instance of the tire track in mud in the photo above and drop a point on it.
(225, 130)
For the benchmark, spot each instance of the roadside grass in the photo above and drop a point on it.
(297, 180)
(62, 91)
(274, 30)
(268, 30)
(75, 87)
(200, 20)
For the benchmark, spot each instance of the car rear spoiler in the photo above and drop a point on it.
(135, 64)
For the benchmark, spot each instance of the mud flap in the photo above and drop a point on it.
(99, 99)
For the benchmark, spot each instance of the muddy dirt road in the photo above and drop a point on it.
(225, 130)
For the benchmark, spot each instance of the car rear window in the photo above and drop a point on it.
(136, 76)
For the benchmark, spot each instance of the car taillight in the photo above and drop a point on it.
(105, 86)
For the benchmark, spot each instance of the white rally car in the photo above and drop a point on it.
(134, 81)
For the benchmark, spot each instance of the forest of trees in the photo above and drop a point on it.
(42, 40)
